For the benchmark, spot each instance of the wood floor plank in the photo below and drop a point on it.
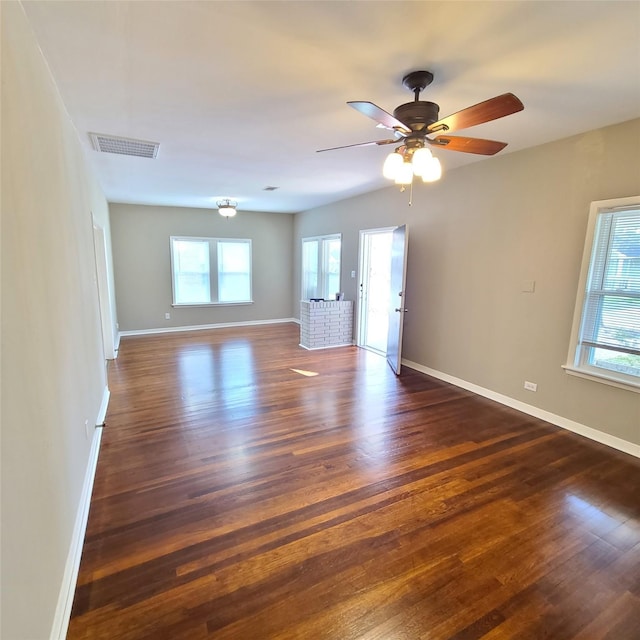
(238, 499)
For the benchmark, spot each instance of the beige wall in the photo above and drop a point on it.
(53, 370)
(142, 264)
(474, 238)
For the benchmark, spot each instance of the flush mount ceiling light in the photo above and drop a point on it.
(227, 208)
(417, 125)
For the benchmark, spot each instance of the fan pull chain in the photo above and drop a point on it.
(403, 188)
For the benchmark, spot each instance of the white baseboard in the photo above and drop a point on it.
(581, 429)
(102, 413)
(70, 577)
(200, 327)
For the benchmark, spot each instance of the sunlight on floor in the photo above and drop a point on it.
(302, 372)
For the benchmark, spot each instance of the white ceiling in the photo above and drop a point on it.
(240, 95)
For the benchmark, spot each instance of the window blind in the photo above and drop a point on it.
(321, 266)
(210, 270)
(611, 312)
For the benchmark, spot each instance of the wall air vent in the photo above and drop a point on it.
(124, 146)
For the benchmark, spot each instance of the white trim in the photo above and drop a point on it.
(213, 251)
(596, 376)
(204, 305)
(322, 266)
(70, 577)
(200, 327)
(359, 307)
(102, 413)
(102, 287)
(581, 429)
(576, 364)
(329, 346)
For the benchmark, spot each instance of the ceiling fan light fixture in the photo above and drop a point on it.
(401, 168)
(392, 164)
(433, 170)
(227, 208)
(404, 174)
(421, 161)
(414, 122)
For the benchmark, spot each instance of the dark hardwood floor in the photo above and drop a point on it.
(238, 498)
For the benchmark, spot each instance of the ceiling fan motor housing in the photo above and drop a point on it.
(417, 115)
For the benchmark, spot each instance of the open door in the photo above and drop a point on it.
(103, 292)
(396, 296)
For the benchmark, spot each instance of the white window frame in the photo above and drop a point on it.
(323, 257)
(577, 358)
(213, 272)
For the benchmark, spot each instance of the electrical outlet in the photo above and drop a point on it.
(530, 386)
(167, 316)
(353, 274)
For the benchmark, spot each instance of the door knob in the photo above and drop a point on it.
(405, 310)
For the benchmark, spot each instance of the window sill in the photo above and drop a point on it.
(604, 378)
(211, 304)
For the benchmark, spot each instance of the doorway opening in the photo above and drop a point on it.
(102, 280)
(375, 279)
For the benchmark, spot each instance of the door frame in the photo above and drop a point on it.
(363, 250)
(104, 298)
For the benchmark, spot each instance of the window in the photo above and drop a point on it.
(234, 271)
(606, 335)
(321, 267)
(210, 271)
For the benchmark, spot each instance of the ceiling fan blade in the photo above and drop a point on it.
(491, 109)
(469, 145)
(362, 144)
(379, 115)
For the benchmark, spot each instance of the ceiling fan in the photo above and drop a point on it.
(416, 126)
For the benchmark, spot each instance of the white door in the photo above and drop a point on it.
(375, 273)
(102, 282)
(396, 296)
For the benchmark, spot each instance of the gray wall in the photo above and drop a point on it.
(474, 238)
(142, 264)
(53, 369)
